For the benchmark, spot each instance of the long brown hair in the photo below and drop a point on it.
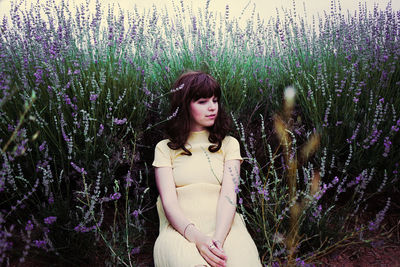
(193, 85)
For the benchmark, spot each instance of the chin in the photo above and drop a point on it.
(205, 126)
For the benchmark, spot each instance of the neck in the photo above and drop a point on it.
(198, 130)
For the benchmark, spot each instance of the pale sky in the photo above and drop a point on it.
(266, 8)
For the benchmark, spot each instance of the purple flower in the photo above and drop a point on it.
(135, 251)
(78, 169)
(67, 99)
(135, 213)
(93, 97)
(317, 211)
(264, 192)
(40, 243)
(51, 200)
(120, 122)
(50, 220)
(101, 129)
(374, 225)
(42, 146)
(10, 128)
(29, 226)
(39, 75)
(84, 229)
(115, 196)
(146, 91)
(395, 128)
(169, 117)
(7, 245)
(80, 228)
(21, 148)
(300, 262)
(128, 179)
(387, 145)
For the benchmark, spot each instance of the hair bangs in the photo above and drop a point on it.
(205, 87)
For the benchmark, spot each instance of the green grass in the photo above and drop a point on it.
(99, 99)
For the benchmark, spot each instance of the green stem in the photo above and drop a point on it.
(97, 225)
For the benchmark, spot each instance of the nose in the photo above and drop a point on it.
(212, 105)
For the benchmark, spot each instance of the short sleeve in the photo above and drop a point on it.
(232, 149)
(162, 156)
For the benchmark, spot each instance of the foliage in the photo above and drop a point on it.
(82, 98)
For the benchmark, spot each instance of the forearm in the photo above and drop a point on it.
(180, 223)
(226, 209)
(211, 252)
(172, 209)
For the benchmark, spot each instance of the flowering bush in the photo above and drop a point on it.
(82, 99)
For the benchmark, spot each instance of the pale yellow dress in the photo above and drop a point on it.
(197, 184)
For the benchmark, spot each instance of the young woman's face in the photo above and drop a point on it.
(203, 113)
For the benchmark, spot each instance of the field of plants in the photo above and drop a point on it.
(84, 99)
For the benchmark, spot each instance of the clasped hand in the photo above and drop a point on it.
(211, 250)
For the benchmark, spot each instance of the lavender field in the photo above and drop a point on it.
(84, 99)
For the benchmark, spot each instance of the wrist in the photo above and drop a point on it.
(218, 243)
(192, 234)
(186, 228)
(218, 239)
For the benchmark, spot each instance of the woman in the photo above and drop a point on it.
(197, 171)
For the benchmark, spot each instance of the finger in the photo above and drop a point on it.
(208, 260)
(218, 244)
(217, 260)
(218, 252)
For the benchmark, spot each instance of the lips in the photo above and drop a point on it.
(211, 116)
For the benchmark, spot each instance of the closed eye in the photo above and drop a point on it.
(204, 100)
